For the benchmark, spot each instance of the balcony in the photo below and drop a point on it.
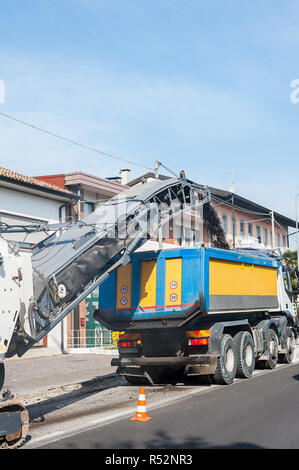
(247, 241)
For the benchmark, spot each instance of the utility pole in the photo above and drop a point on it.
(232, 190)
(272, 218)
(157, 164)
(234, 228)
(160, 237)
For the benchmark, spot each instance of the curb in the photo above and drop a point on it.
(97, 351)
(38, 354)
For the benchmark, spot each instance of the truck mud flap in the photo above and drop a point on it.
(135, 375)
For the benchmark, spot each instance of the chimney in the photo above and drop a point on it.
(125, 175)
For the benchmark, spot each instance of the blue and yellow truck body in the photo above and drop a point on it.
(173, 284)
(175, 306)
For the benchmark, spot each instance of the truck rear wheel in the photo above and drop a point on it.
(245, 354)
(272, 350)
(226, 362)
(287, 356)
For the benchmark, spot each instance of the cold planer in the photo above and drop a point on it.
(39, 290)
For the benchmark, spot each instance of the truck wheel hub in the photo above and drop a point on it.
(248, 355)
(230, 359)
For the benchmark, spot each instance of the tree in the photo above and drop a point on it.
(218, 239)
(290, 258)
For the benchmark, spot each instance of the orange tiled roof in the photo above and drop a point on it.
(17, 177)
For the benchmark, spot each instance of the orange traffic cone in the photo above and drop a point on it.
(141, 414)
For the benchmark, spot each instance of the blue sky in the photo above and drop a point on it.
(202, 85)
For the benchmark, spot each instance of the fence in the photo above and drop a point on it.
(90, 338)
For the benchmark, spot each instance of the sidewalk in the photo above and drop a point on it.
(31, 374)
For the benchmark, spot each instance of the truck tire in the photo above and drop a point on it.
(272, 349)
(226, 362)
(287, 356)
(245, 354)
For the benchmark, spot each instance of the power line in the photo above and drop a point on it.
(251, 221)
(225, 203)
(283, 229)
(70, 141)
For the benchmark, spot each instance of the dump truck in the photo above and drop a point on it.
(199, 311)
(194, 311)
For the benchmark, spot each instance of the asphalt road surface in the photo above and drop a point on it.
(261, 412)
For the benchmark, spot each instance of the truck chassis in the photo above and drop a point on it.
(221, 350)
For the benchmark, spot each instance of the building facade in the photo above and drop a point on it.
(245, 223)
(25, 201)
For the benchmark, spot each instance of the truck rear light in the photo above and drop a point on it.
(129, 336)
(127, 344)
(198, 341)
(198, 334)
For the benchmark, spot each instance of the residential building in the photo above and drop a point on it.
(245, 223)
(24, 201)
(250, 223)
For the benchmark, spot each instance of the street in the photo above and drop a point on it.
(149, 227)
(261, 412)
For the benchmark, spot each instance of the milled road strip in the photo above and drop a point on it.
(55, 393)
(59, 427)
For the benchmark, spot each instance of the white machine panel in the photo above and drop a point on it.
(10, 294)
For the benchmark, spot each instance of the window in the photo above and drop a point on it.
(284, 241)
(271, 240)
(242, 228)
(188, 238)
(250, 229)
(224, 222)
(258, 233)
(265, 236)
(278, 239)
(88, 208)
(234, 226)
